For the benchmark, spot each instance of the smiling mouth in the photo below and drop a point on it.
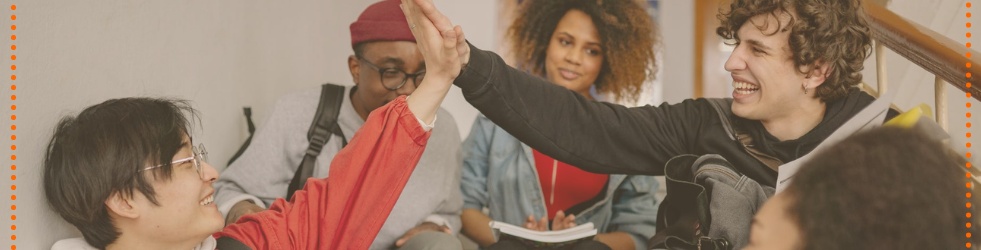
(207, 200)
(568, 74)
(745, 88)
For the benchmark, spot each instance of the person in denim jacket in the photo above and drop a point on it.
(499, 174)
(560, 40)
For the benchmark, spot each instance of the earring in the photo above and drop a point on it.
(805, 88)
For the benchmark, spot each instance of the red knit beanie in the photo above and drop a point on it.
(382, 21)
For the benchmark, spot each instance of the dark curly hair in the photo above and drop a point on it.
(626, 30)
(889, 188)
(821, 31)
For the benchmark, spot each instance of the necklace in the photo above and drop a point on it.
(555, 168)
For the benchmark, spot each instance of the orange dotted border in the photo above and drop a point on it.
(968, 135)
(13, 127)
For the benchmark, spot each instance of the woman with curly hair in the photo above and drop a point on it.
(582, 45)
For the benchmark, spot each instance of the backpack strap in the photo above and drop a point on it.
(723, 107)
(241, 149)
(324, 125)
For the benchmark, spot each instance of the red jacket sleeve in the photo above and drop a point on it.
(365, 180)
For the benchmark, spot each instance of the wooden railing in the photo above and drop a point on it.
(949, 61)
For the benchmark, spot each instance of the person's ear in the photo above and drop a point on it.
(818, 74)
(354, 65)
(119, 204)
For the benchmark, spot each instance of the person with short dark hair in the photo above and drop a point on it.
(889, 188)
(128, 175)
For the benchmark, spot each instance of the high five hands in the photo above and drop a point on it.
(442, 45)
(445, 50)
(436, 37)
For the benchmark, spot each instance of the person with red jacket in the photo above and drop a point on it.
(126, 173)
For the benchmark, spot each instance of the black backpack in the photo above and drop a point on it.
(324, 125)
(684, 218)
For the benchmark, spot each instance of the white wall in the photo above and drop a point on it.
(677, 32)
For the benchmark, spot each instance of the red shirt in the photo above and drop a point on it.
(366, 179)
(564, 185)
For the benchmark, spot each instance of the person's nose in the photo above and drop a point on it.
(736, 60)
(208, 173)
(574, 55)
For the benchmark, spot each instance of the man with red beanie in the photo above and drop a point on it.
(386, 64)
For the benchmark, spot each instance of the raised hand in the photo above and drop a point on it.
(443, 23)
(439, 49)
(437, 39)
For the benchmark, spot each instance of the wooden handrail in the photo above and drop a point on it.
(932, 51)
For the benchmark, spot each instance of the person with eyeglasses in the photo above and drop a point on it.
(385, 65)
(125, 174)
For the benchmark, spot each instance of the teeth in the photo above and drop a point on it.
(208, 201)
(744, 88)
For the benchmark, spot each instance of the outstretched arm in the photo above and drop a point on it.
(595, 136)
(347, 210)
(366, 177)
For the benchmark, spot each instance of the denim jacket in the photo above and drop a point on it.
(499, 175)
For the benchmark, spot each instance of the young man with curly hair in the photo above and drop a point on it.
(795, 75)
(573, 44)
(794, 69)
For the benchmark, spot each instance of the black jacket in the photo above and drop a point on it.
(613, 139)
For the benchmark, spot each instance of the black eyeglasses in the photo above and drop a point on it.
(393, 78)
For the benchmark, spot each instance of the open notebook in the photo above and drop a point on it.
(543, 239)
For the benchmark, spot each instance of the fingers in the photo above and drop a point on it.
(460, 40)
(438, 43)
(530, 223)
(559, 222)
(543, 224)
(570, 221)
(450, 42)
(415, 21)
(563, 221)
(401, 241)
(463, 50)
